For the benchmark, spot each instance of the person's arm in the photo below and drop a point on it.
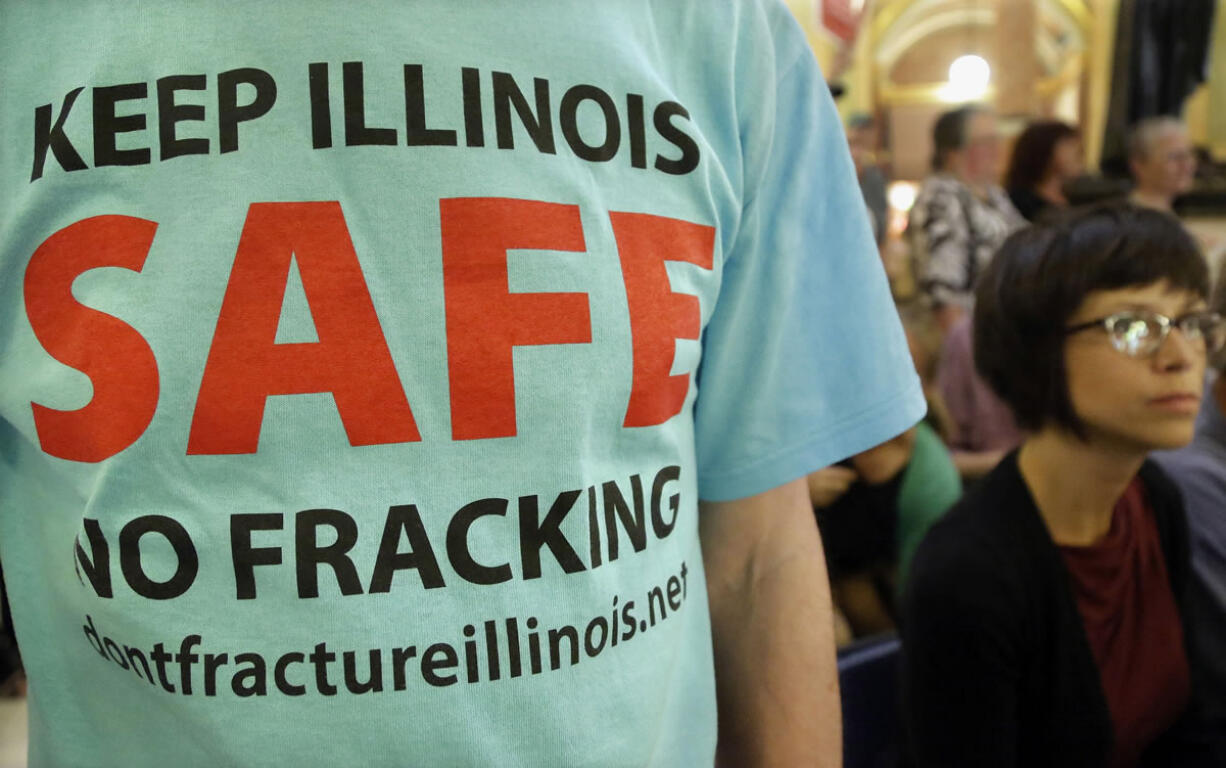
(956, 383)
(882, 463)
(973, 465)
(960, 666)
(828, 484)
(954, 379)
(947, 315)
(771, 624)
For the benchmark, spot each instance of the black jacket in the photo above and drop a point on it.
(996, 668)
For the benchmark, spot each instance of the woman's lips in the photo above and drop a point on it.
(1179, 402)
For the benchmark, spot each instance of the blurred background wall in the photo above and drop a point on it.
(1045, 58)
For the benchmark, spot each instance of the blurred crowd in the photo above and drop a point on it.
(1060, 594)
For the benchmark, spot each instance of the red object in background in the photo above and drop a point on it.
(840, 17)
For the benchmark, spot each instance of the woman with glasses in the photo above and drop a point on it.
(1045, 622)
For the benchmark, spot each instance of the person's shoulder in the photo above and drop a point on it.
(767, 24)
(1166, 502)
(873, 176)
(999, 195)
(994, 518)
(1003, 204)
(1192, 464)
(982, 542)
(1027, 203)
(968, 535)
(943, 185)
(938, 200)
(1162, 491)
(930, 453)
(1199, 471)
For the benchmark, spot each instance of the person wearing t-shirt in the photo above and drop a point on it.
(428, 384)
(1047, 619)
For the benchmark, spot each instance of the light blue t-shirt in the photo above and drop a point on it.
(362, 366)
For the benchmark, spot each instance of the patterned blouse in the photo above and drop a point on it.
(955, 233)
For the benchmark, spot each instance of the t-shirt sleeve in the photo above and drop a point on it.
(804, 358)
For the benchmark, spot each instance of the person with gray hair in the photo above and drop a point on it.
(1200, 471)
(1161, 161)
(1163, 166)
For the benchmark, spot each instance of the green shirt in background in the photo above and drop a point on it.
(930, 486)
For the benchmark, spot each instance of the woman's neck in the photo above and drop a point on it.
(1076, 484)
(972, 181)
(1148, 200)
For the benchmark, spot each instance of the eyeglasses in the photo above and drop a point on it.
(1138, 333)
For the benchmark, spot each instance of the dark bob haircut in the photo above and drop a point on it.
(1039, 279)
(1032, 153)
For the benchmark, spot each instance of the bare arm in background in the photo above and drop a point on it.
(876, 465)
(775, 673)
(881, 463)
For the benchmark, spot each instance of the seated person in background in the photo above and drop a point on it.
(1046, 156)
(856, 507)
(984, 429)
(961, 216)
(1045, 620)
(826, 486)
(924, 341)
(874, 509)
(1163, 165)
(862, 138)
(1199, 469)
(930, 486)
(1161, 161)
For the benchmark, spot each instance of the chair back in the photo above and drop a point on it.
(868, 680)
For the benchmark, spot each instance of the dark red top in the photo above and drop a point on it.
(1133, 626)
